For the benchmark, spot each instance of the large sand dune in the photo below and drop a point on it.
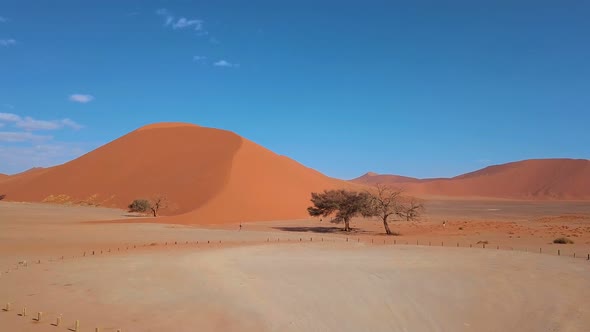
(214, 175)
(528, 179)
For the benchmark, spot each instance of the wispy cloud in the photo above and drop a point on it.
(43, 153)
(3, 19)
(9, 117)
(226, 64)
(199, 58)
(81, 98)
(181, 22)
(7, 42)
(22, 136)
(30, 124)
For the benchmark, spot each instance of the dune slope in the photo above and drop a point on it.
(209, 175)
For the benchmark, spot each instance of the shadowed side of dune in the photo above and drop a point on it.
(262, 186)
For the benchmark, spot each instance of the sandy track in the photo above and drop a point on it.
(306, 287)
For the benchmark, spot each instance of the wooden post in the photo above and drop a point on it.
(558, 252)
(39, 314)
(311, 239)
(498, 248)
(92, 252)
(471, 246)
(484, 245)
(58, 321)
(589, 257)
(540, 250)
(77, 325)
(442, 244)
(574, 255)
(457, 244)
(7, 307)
(97, 329)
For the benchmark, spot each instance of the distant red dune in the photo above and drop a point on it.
(566, 179)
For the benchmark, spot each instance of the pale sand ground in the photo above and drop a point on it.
(247, 284)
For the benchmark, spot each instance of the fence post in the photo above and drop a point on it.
(558, 252)
(77, 325)
(24, 314)
(39, 314)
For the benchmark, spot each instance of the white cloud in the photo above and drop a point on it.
(180, 23)
(199, 58)
(183, 23)
(224, 63)
(80, 98)
(71, 124)
(19, 158)
(7, 42)
(9, 117)
(30, 124)
(21, 136)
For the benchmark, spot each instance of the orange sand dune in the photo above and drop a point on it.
(528, 179)
(371, 178)
(213, 175)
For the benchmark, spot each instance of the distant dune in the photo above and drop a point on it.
(371, 178)
(528, 179)
(209, 175)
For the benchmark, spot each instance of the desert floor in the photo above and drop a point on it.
(298, 275)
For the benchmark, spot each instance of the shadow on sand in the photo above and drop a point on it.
(320, 229)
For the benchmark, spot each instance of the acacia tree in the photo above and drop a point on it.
(384, 203)
(411, 209)
(343, 203)
(158, 202)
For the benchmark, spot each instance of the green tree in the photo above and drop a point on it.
(343, 204)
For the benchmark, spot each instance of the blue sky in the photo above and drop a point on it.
(418, 88)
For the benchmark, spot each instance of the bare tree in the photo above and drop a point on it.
(384, 203)
(343, 203)
(158, 202)
(411, 209)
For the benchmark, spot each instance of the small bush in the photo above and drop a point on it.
(563, 240)
(2, 197)
(139, 205)
(460, 228)
(482, 242)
